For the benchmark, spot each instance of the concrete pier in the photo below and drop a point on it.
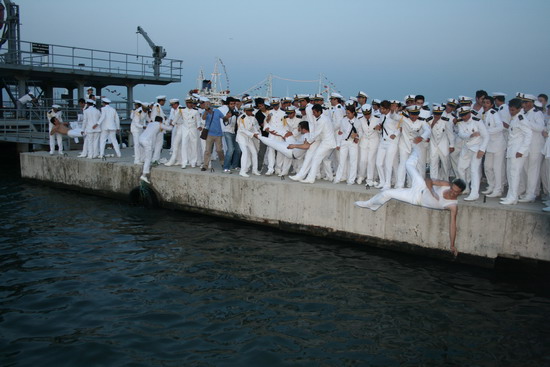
(487, 231)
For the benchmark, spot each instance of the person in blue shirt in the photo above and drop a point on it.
(213, 122)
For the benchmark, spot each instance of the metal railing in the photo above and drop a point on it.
(30, 125)
(83, 59)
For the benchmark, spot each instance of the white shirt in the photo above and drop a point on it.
(467, 128)
(109, 119)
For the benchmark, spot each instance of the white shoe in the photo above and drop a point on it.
(269, 173)
(370, 183)
(168, 164)
(244, 174)
(81, 156)
(51, 153)
(295, 178)
(360, 180)
(256, 173)
(471, 198)
(509, 202)
(466, 192)
(363, 204)
(60, 152)
(183, 167)
(378, 186)
(527, 199)
(144, 178)
(547, 209)
(495, 194)
(305, 180)
(487, 191)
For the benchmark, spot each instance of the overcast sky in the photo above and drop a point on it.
(388, 48)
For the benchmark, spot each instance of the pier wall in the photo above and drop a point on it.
(484, 232)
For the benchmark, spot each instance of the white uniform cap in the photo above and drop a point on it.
(336, 95)
(248, 106)
(452, 101)
(366, 107)
(174, 100)
(354, 99)
(362, 94)
(499, 94)
(349, 102)
(529, 97)
(275, 101)
(409, 97)
(56, 106)
(224, 98)
(438, 108)
(377, 101)
(317, 96)
(290, 109)
(395, 101)
(538, 104)
(464, 110)
(136, 101)
(188, 99)
(90, 101)
(160, 97)
(203, 99)
(106, 100)
(462, 99)
(146, 104)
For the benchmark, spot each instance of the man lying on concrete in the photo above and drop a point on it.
(61, 128)
(291, 147)
(432, 194)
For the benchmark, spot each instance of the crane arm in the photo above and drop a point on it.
(146, 36)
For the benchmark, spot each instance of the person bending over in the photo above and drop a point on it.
(428, 193)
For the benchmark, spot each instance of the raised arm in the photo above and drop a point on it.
(452, 228)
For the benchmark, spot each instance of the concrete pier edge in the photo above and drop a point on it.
(488, 236)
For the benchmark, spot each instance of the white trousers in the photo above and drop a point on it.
(137, 149)
(249, 154)
(189, 146)
(93, 144)
(494, 168)
(56, 138)
(438, 157)
(157, 149)
(348, 150)
(514, 168)
(147, 149)
(384, 162)
(367, 159)
(111, 134)
(321, 153)
(176, 146)
(412, 195)
(468, 159)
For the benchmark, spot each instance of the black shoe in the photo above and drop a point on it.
(203, 168)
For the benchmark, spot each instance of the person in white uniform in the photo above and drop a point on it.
(534, 161)
(474, 134)
(190, 126)
(92, 128)
(56, 137)
(546, 153)
(175, 119)
(368, 145)
(137, 126)
(347, 142)
(110, 125)
(294, 147)
(248, 128)
(156, 110)
(147, 141)
(441, 141)
(496, 148)
(387, 149)
(517, 151)
(414, 130)
(274, 125)
(428, 193)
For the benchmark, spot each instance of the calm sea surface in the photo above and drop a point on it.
(87, 281)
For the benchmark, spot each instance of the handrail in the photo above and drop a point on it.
(83, 59)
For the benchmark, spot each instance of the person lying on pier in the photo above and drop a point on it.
(290, 147)
(432, 194)
(61, 128)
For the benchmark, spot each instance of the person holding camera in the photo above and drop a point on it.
(229, 128)
(214, 119)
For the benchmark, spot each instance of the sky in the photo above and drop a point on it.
(388, 49)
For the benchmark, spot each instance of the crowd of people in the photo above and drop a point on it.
(347, 140)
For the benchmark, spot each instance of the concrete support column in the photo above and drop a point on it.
(130, 96)
(79, 89)
(21, 86)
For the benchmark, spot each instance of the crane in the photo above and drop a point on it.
(158, 52)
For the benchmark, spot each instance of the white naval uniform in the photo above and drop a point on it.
(368, 146)
(533, 163)
(189, 132)
(157, 110)
(349, 149)
(91, 118)
(417, 194)
(496, 150)
(110, 123)
(175, 120)
(387, 150)
(519, 140)
(409, 131)
(292, 126)
(468, 155)
(322, 144)
(147, 141)
(441, 140)
(274, 162)
(248, 126)
(458, 143)
(139, 120)
(55, 137)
